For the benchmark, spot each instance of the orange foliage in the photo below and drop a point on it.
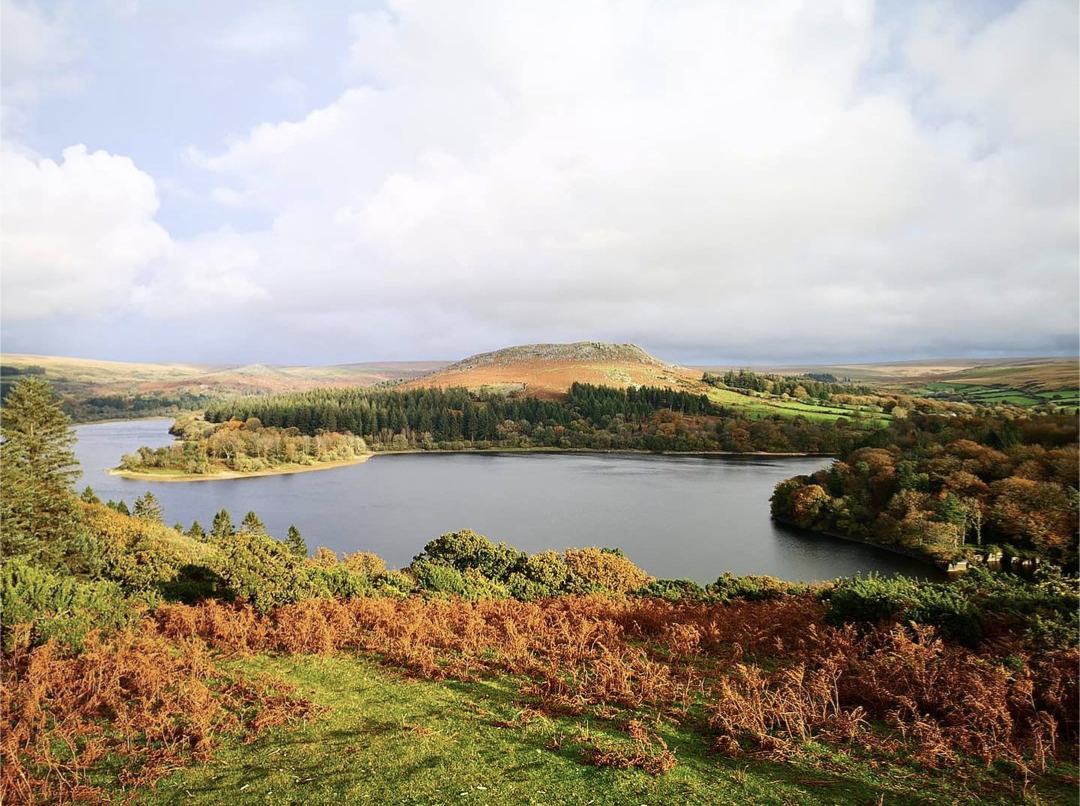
(590, 654)
(154, 702)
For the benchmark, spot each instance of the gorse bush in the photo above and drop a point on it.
(39, 605)
(264, 571)
(469, 565)
(752, 588)
(963, 609)
(467, 549)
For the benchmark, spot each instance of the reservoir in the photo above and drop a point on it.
(674, 516)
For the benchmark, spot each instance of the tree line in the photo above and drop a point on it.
(946, 487)
(591, 417)
(820, 386)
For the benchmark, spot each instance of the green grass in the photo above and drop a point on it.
(1024, 396)
(389, 740)
(754, 405)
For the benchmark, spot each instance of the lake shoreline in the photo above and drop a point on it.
(942, 565)
(235, 475)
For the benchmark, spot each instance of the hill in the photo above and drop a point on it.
(548, 370)
(93, 389)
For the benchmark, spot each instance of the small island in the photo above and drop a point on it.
(235, 449)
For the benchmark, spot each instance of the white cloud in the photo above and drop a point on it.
(743, 179)
(271, 30)
(37, 54)
(75, 234)
(214, 272)
(573, 165)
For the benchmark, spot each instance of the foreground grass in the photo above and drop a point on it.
(386, 739)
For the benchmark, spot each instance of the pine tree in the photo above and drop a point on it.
(38, 510)
(196, 532)
(89, 496)
(147, 506)
(222, 526)
(296, 543)
(252, 525)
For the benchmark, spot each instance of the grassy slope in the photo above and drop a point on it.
(88, 377)
(390, 740)
(757, 406)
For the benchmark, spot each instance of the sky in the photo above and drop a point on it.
(718, 182)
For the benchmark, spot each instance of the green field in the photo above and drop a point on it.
(386, 739)
(759, 405)
(1025, 396)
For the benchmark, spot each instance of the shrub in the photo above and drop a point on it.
(751, 588)
(949, 607)
(448, 581)
(263, 571)
(467, 549)
(868, 600)
(673, 590)
(38, 605)
(546, 571)
(365, 563)
(603, 569)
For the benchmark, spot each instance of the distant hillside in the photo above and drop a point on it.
(1052, 383)
(1050, 372)
(548, 370)
(93, 389)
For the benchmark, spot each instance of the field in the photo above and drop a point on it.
(1028, 395)
(760, 405)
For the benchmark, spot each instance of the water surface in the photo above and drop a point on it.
(675, 516)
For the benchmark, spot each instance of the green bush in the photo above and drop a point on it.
(547, 571)
(340, 582)
(946, 606)
(525, 589)
(751, 588)
(445, 580)
(467, 549)
(38, 605)
(673, 590)
(264, 571)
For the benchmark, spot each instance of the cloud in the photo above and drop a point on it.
(672, 174)
(753, 181)
(74, 234)
(269, 31)
(214, 272)
(37, 54)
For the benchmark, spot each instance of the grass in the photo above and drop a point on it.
(390, 740)
(1025, 396)
(753, 405)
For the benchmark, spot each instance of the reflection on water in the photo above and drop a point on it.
(692, 517)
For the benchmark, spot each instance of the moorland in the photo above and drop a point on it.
(163, 664)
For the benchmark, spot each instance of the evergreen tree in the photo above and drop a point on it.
(222, 526)
(147, 506)
(196, 532)
(296, 543)
(89, 496)
(252, 524)
(38, 511)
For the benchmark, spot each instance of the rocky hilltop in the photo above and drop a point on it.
(548, 370)
(584, 352)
